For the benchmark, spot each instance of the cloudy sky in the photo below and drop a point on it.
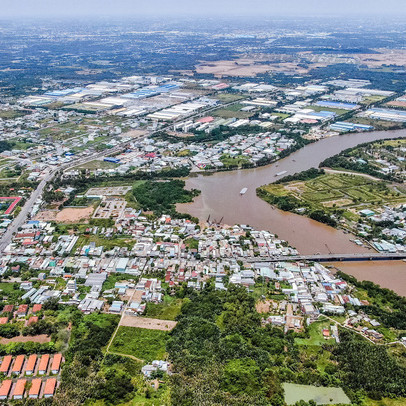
(26, 8)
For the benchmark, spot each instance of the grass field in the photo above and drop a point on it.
(144, 344)
(386, 402)
(372, 99)
(232, 111)
(339, 112)
(316, 336)
(378, 124)
(238, 160)
(167, 310)
(282, 116)
(229, 97)
(97, 164)
(10, 114)
(64, 131)
(321, 395)
(107, 243)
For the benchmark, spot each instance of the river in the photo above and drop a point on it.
(220, 197)
(388, 274)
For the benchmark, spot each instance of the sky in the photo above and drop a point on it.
(85, 8)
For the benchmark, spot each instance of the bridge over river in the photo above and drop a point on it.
(373, 256)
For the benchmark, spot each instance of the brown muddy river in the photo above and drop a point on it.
(388, 274)
(220, 197)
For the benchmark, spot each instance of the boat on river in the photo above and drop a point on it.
(243, 191)
(281, 173)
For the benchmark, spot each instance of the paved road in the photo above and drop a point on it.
(22, 216)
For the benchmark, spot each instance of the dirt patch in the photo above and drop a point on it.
(134, 133)
(70, 215)
(42, 339)
(151, 324)
(264, 306)
(46, 215)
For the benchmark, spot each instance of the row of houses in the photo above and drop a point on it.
(22, 388)
(33, 365)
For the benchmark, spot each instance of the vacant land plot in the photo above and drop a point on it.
(339, 112)
(264, 306)
(144, 344)
(322, 396)
(147, 323)
(233, 111)
(97, 164)
(236, 161)
(74, 215)
(108, 191)
(167, 310)
(42, 339)
(229, 97)
(316, 334)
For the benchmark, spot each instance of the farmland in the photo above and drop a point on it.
(339, 195)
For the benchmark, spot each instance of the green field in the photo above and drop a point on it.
(107, 243)
(10, 114)
(322, 396)
(232, 111)
(372, 99)
(386, 402)
(64, 131)
(339, 112)
(331, 191)
(316, 335)
(233, 162)
(378, 124)
(169, 309)
(141, 343)
(229, 97)
(97, 164)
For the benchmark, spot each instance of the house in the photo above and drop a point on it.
(5, 364)
(35, 388)
(3, 320)
(5, 389)
(26, 285)
(18, 365)
(32, 361)
(19, 389)
(56, 363)
(32, 320)
(8, 309)
(43, 364)
(22, 310)
(50, 387)
(37, 308)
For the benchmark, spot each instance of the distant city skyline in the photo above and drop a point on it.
(220, 8)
